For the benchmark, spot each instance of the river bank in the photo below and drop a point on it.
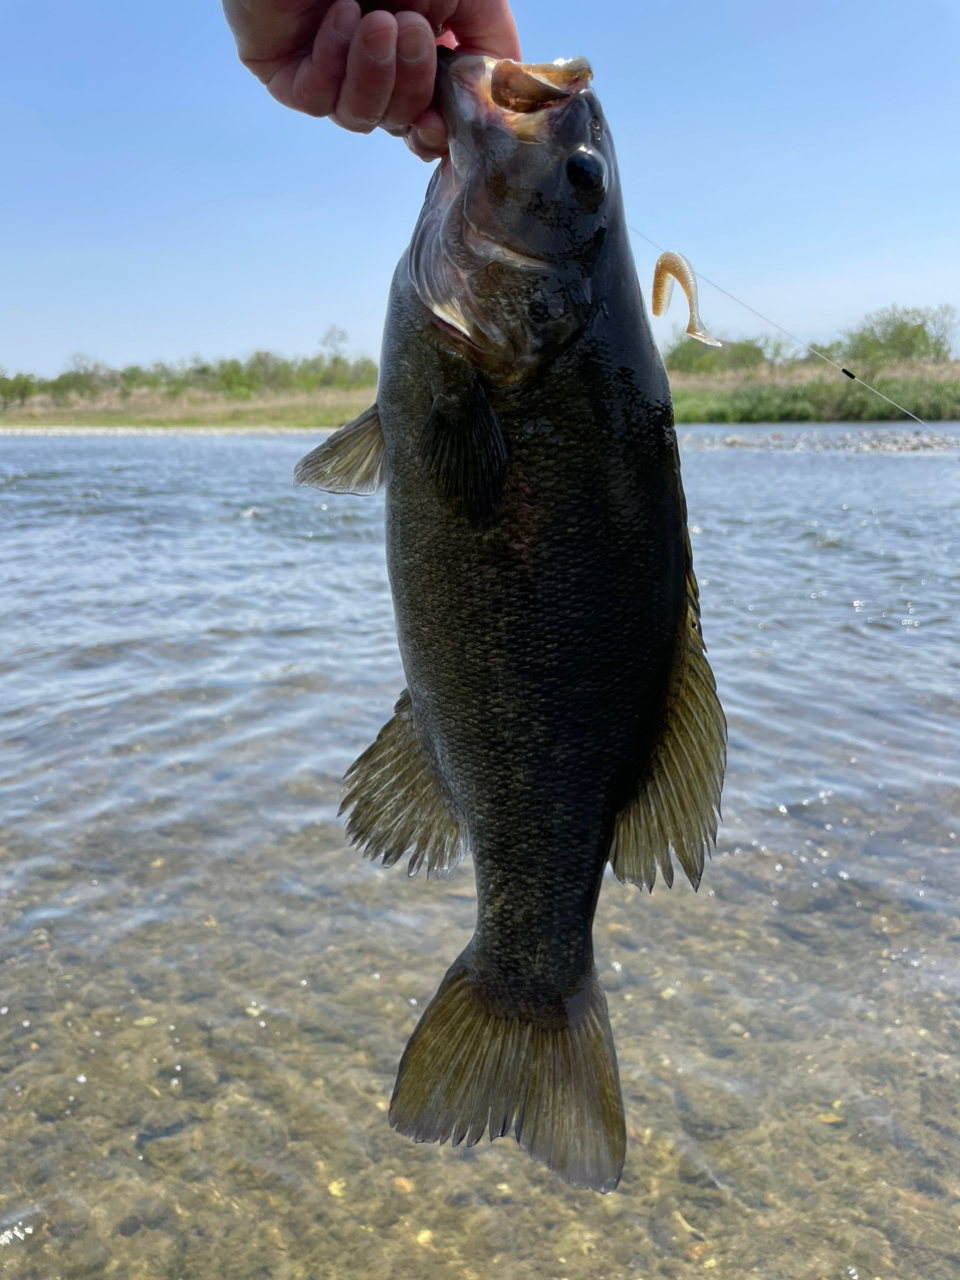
(328, 407)
(805, 395)
(770, 395)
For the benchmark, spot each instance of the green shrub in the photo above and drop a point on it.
(901, 335)
(834, 400)
(260, 374)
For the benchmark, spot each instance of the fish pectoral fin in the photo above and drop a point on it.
(677, 804)
(350, 461)
(463, 449)
(674, 266)
(469, 1067)
(395, 803)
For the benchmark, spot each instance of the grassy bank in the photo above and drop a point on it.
(766, 395)
(807, 396)
(905, 352)
(327, 408)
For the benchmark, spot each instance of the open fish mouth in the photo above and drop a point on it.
(521, 88)
(515, 94)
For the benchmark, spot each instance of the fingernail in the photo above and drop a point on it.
(432, 139)
(413, 44)
(380, 46)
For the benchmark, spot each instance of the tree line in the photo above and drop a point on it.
(893, 335)
(263, 373)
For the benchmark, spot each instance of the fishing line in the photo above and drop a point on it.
(793, 338)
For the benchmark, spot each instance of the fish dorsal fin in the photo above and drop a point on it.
(395, 804)
(349, 461)
(677, 804)
(463, 448)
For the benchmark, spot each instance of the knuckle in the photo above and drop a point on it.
(355, 124)
(312, 100)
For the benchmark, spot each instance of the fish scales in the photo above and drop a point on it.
(559, 711)
(538, 651)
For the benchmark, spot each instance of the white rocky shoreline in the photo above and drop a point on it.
(825, 438)
(822, 437)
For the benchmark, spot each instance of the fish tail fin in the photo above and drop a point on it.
(554, 1082)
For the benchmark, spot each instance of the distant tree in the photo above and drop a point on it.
(779, 349)
(20, 387)
(201, 375)
(686, 355)
(272, 372)
(261, 373)
(364, 372)
(902, 334)
(334, 340)
(133, 376)
(832, 350)
(24, 386)
(238, 381)
(942, 325)
(86, 378)
(747, 353)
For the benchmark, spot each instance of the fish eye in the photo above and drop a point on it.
(587, 172)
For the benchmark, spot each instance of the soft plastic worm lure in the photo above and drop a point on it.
(674, 266)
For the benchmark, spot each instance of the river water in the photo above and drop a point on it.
(204, 992)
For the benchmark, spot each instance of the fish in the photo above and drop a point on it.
(559, 710)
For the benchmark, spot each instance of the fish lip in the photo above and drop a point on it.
(516, 96)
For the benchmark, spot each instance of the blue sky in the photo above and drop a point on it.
(156, 203)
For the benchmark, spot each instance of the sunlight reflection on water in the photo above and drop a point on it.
(204, 993)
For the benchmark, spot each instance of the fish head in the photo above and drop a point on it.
(517, 213)
(529, 146)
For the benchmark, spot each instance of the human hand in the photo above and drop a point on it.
(366, 64)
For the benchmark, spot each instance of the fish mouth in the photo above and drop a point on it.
(498, 91)
(521, 88)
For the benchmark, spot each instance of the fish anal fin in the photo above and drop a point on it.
(349, 461)
(677, 804)
(395, 803)
(469, 1067)
(463, 448)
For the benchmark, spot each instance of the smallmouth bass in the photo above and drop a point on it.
(559, 711)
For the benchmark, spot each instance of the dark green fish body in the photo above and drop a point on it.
(538, 651)
(559, 711)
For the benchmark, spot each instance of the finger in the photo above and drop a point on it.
(312, 84)
(486, 26)
(416, 71)
(270, 34)
(427, 136)
(371, 71)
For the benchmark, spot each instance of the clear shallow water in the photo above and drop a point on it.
(204, 993)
